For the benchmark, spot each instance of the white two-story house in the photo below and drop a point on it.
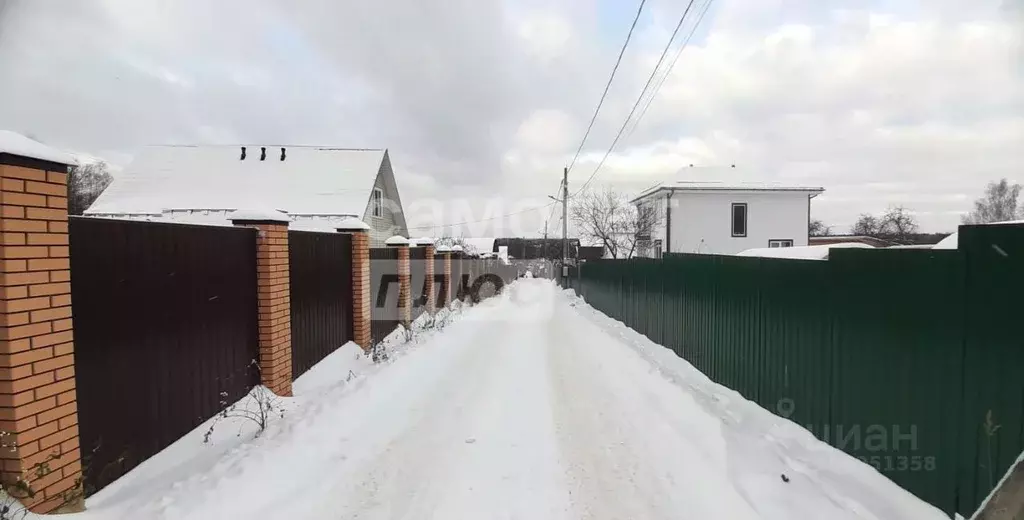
(724, 219)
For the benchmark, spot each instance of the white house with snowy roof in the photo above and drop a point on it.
(726, 218)
(317, 187)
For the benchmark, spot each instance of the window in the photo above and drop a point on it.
(377, 203)
(780, 243)
(739, 219)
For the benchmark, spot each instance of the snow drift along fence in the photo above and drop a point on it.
(320, 271)
(910, 360)
(165, 331)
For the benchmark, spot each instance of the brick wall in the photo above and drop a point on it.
(38, 407)
(273, 305)
(405, 286)
(361, 288)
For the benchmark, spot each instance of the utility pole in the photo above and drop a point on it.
(544, 250)
(565, 221)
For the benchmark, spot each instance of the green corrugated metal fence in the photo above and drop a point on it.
(911, 360)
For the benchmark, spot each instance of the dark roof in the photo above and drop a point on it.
(530, 248)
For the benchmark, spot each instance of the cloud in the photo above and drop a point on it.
(891, 102)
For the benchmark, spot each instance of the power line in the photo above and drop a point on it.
(636, 105)
(679, 52)
(609, 84)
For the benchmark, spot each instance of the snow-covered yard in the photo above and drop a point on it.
(529, 405)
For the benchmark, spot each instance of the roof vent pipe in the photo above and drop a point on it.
(282, 153)
(242, 158)
(263, 153)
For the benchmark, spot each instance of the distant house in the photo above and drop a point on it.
(316, 186)
(846, 239)
(717, 218)
(535, 248)
(588, 253)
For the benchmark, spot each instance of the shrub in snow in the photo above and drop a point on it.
(379, 353)
(259, 407)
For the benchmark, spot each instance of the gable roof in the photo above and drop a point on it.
(14, 143)
(309, 181)
(713, 186)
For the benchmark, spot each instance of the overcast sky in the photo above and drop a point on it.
(917, 103)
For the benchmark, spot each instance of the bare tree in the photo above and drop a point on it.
(997, 205)
(606, 217)
(866, 225)
(897, 224)
(817, 228)
(85, 184)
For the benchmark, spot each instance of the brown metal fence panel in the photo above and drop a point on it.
(165, 333)
(384, 314)
(320, 266)
(441, 294)
(418, 280)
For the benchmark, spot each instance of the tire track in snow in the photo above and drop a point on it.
(632, 450)
(481, 446)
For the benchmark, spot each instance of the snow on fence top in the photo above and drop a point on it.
(801, 252)
(260, 215)
(397, 240)
(425, 241)
(443, 249)
(14, 143)
(351, 224)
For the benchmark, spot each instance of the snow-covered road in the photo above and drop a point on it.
(530, 405)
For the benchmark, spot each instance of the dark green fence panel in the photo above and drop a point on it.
(993, 363)
(908, 359)
(796, 338)
(898, 338)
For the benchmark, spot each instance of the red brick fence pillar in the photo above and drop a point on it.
(38, 402)
(273, 296)
(361, 310)
(404, 282)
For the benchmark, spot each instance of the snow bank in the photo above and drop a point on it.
(757, 447)
(528, 405)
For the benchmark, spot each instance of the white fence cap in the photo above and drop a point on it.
(258, 215)
(351, 224)
(397, 240)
